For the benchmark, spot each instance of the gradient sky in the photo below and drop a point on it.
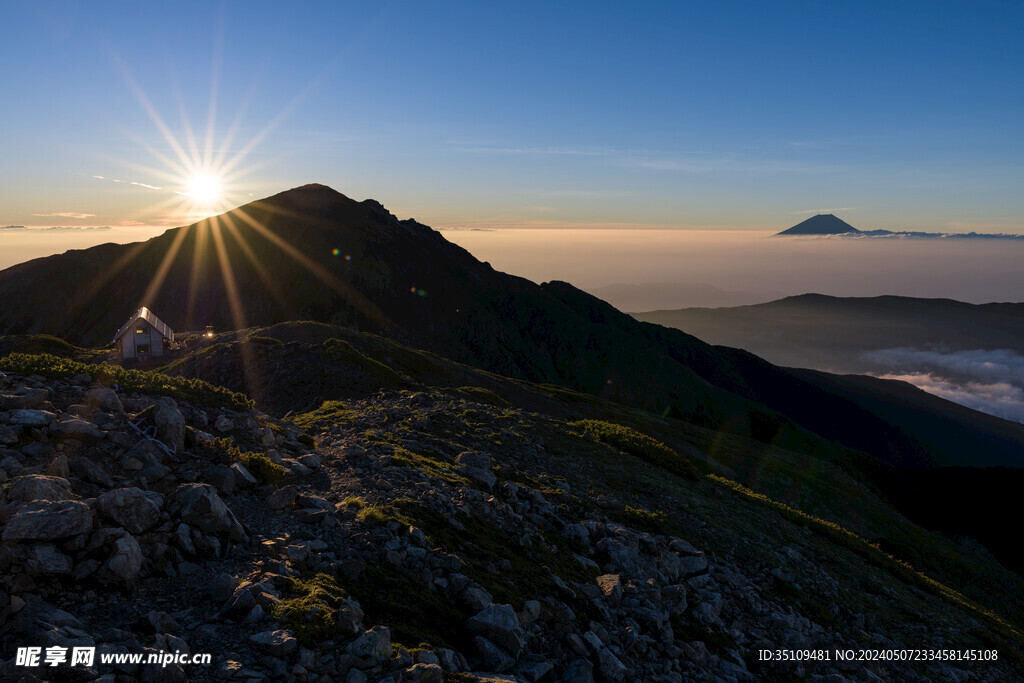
(906, 115)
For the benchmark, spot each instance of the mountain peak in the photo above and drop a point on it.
(821, 224)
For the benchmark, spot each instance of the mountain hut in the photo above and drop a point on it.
(143, 336)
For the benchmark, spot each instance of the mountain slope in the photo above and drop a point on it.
(312, 253)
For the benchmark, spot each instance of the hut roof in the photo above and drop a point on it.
(147, 315)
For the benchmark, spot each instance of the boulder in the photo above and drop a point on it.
(39, 487)
(492, 657)
(474, 459)
(104, 399)
(277, 643)
(31, 418)
(373, 646)
(134, 509)
(44, 558)
(125, 562)
(23, 397)
(610, 667)
(202, 508)
(75, 428)
(170, 424)
(500, 625)
(45, 520)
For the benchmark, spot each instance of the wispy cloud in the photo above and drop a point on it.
(58, 228)
(13, 227)
(816, 211)
(542, 150)
(129, 182)
(66, 214)
(988, 380)
(129, 224)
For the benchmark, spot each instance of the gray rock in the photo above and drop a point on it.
(223, 424)
(243, 477)
(578, 671)
(222, 586)
(610, 666)
(39, 487)
(478, 474)
(424, 673)
(86, 470)
(474, 459)
(278, 643)
(8, 437)
(202, 508)
(576, 532)
(476, 598)
(374, 645)
(23, 397)
(44, 558)
(145, 459)
(134, 509)
(223, 478)
(492, 657)
(44, 520)
(104, 399)
(125, 562)
(283, 497)
(58, 467)
(31, 418)
(530, 612)
(170, 424)
(75, 428)
(499, 624)
(692, 565)
(534, 671)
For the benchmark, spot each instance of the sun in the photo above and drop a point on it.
(204, 189)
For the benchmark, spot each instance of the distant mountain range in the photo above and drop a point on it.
(825, 224)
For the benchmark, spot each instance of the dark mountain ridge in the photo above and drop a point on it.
(313, 254)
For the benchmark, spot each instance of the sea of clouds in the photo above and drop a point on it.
(991, 381)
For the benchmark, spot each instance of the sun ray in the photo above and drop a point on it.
(160, 275)
(355, 298)
(250, 255)
(202, 230)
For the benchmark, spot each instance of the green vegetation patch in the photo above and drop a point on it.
(223, 449)
(311, 612)
(329, 413)
(431, 465)
(639, 444)
(143, 381)
(644, 520)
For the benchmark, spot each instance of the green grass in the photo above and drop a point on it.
(328, 414)
(373, 515)
(223, 449)
(353, 502)
(311, 612)
(639, 444)
(142, 381)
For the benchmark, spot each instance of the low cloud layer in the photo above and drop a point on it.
(991, 381)
(907, 234)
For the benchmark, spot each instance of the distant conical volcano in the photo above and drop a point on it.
(822, 224)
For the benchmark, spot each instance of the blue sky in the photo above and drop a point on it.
(907, 115)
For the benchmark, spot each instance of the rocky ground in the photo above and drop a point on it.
(414, 536)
